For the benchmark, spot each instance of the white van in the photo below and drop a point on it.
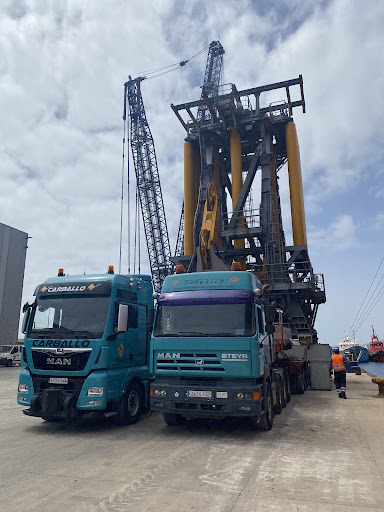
(10, 354)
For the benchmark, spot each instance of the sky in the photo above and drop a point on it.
(62, 69)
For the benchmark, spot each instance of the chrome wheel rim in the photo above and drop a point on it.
(133, 402)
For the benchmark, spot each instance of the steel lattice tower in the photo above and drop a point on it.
(148, 183)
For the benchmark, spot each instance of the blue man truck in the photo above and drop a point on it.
(86, 347)
(213, 350)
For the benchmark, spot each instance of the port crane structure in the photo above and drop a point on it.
(230, 136)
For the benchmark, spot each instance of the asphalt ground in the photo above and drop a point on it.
(323, 454)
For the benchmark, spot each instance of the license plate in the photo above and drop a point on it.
(199, 394)
(221, 394)
(58, 380)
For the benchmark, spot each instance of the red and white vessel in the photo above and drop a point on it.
(376, 348)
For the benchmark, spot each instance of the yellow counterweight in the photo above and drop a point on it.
(295, 186)
(189, 197)
(237, 182)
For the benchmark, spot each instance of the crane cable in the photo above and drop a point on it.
(166, 69)
(122, 197)
(380, 293)
(358, 316)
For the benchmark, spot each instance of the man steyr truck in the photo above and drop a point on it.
(213, 353)
(86, 347)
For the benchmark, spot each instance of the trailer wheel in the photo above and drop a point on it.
(266, 420)
(174, 419)
(300, 383)
(8, 363)
(278, 407)
(288, 384)
(130, 406)
(284, 393)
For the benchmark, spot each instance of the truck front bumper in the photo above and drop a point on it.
(219, 401)
(66, 401)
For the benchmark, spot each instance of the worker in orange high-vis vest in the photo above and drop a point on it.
(338, 362)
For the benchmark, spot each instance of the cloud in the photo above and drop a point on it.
(338, 236)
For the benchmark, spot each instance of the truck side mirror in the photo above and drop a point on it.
(269, 314)
(27, 313)
(122, 319)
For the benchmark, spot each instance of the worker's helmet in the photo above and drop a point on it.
(336, 350)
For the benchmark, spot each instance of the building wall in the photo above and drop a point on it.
(13, 248)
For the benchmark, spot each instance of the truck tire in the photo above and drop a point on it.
(300, 384)
(284, 391)
(8, 363)
(174, 419)
(288, 383)
(278, 406)
(130, 406)
(266, 420)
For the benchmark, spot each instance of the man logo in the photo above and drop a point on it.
(59, 361)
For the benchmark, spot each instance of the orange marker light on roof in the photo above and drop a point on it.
(180, 269)
(60, 272)
(235, 265)
(111, 269)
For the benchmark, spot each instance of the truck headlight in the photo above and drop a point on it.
(23, 388)
(248, 395)
(160, 392)
(95, 391)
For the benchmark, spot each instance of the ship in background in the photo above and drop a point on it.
(376, 348)
(355, 352)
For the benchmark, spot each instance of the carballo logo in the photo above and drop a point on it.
(168, 355)
(55, 289)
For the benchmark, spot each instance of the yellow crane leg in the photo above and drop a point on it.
(295, 186)
(189, 197)
(237, 183)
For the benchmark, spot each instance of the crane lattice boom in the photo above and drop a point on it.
(148, 183)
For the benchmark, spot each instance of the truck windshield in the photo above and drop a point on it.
(5, 348)
(205, 320)
(63, 317)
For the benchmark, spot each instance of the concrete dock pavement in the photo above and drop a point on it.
(323, 454)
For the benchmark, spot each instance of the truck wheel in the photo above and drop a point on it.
(288, 384)
(278, 407)
(266, 420)
(130, 406)
(174, 419)
(300, 384)
(8, 363)
(284, 399)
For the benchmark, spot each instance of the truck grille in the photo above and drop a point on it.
(196, 362)
(71, 361)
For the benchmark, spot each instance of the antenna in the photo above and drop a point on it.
(86, 263)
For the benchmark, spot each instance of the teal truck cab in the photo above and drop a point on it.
(212, 352)
(86, 347)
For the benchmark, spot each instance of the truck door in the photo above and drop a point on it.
(131, 344)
